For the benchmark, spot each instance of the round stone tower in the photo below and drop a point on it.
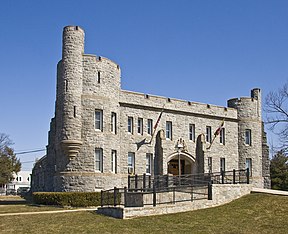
(72, 74)
(250, 134)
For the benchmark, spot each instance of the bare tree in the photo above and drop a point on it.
(4, 141)
(276, 108)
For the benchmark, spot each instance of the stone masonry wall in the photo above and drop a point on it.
(86, 83)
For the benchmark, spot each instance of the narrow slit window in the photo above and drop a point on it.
(169, 130)
(99, 120)
(74, 112)
(131, 163)
(140, 126)
(114, 161)
(248, 140)
(130, 125)
(208, 134)
(99, 159)
(113, 123)
(222, 136)
(149, 126)
(192, 132)
(66, 85)
(98, 77)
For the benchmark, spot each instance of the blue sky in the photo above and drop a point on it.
(199, 50)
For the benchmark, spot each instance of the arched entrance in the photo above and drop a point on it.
(187, 163)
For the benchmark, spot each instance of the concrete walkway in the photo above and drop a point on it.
(48, 212)
(269, 191)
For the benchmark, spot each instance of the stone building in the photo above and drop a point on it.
(101, 133)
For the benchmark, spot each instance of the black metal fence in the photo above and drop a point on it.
(145, 182)
(155, 196)
(147, 190)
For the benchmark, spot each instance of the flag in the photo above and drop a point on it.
(217, 132)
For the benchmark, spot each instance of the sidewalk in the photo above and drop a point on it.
(48, 212)
(269, 191)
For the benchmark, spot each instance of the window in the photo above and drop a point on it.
(169, 130)
(222, 164)
(130, 125)
(113, 123)
(149, 158)
(149, 126)
(131, 163)
(99, 159)
(19, 178)
(140, 126)
(114, 161)
(208, 134)
(66, 85)
(192, 132)
(98, 77)
(248, 137)
(249, 165)
(99, 120)
(222, 136)
(74, 112)
(209, 164)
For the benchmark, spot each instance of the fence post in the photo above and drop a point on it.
(222, 176)
(136, 182)
(149, 181)
(173, 194)
(209, 191)
(115, 196)
(234, 176)
(129, 181)
(144, 182)
(154, 195)
(102, 195)
(192, 193)
(125, 195)
(247, 175)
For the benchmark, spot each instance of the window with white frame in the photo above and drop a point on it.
(150, 126)
(222, 136)
(130, 125)
(169, 130)
(99, 159)
(99, 120)
(222, 164)
(113, 123)
(140, 126)
(149, 158)
(209, 164)
(192, 132)
(249, 165)
(208, 134)
(114, 161)
(248, 139)
(131, 163)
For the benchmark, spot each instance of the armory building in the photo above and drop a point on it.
(101, 133)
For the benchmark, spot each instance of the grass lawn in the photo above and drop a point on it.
(255, 213)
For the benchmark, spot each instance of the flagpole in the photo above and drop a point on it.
(217, 132)
(156, 124)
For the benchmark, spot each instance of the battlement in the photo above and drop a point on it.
(248, 107)
(159, 102)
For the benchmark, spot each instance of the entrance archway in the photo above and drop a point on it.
(187, 163)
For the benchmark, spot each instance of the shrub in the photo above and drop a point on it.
(75, 199)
